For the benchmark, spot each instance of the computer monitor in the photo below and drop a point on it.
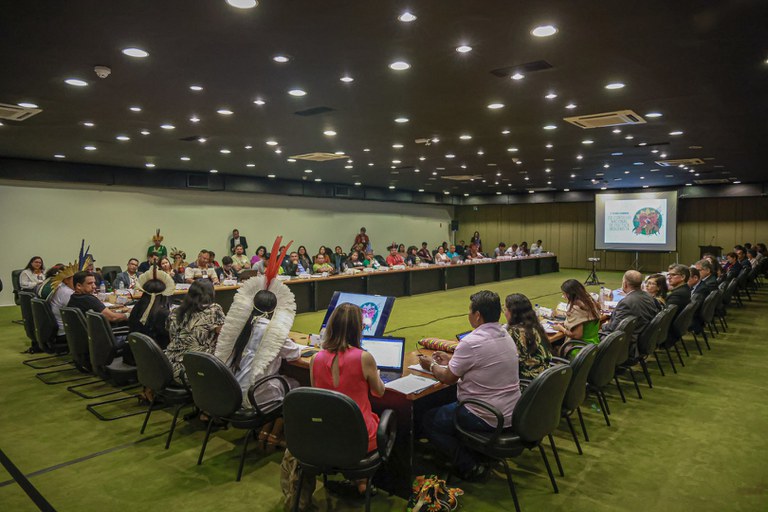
(386, 350)
(376, 310)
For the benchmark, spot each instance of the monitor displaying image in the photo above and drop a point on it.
(376, 310)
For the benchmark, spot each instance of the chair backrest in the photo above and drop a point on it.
(214, 388)
(152, 365)
(743, 277)
(110, 272)
(728, 292)
(609, 351)
(324, 428)
(46, 327)
(628, 326)
(102, 347)
(16, 284)
(77, 335)
(537, 413)
(577, 388)
(646, 343)
(683, 321)
(709, 305)
(668, 315)
(25, 302)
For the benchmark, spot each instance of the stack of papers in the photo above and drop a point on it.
(410, 384)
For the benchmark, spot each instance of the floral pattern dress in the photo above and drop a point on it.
(198, 334)
(532, 363)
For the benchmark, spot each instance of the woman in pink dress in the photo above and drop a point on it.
(344, 367)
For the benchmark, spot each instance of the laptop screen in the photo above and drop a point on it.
(387, 351)
(461, 336)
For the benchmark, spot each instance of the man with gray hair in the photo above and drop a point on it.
(677, 283)
(635, 303)
(707, 280)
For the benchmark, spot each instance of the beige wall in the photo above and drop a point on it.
(569, 229)
(50, 221)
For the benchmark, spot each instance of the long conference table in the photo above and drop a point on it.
(315, 293)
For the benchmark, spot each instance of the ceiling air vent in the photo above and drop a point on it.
(618, 118)
(528, 67)
(462, 177)
(712, 181)
(680, 161)
(314, 111)
(17, 113)
(319, 157)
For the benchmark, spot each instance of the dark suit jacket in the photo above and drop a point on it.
(242, 242)
(680, 297)
(638, 304)
(704, 288)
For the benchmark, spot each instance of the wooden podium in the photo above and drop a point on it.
(711, 249)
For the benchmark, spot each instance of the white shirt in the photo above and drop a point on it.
(59, 300)
(28, 280)
(535, 249)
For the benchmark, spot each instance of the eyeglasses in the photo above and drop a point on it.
(670, 274)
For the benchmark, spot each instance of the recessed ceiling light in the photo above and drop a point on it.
(391, 187)
(397, 146)
(243, 4)
(480, 152)
(435, 140)
(629, 137)
(224, 112)
(663, 155)
(149, 165)
(213, 171)
(526, 178)
(544, 31)
(280, 58)
(297, 92)
(513, 150)
(637, 163)
(59, 155)
(588, 141)
(145, 132)
(259, 102)
(270, 175)
(566, 190)
(401, 120)
(464, 48)
(26, 104)
(616, 130)
(89, 124)
(450, 155)
(573, 175)
(549, 146)
(417, 170)
(196, 88)
(167, 126)
(678, 132)
(465, 136)
(642, 177)
(248, 147)
(643, 144)
(123, 138)
(517, 76)
(225, 151)
(551, 96)
(357, 183)
(603, 188)
(644, 186)
(134, 108)
(549, 127)
(367, 150)
(653, 114)
(466, 195)
(579, 157)
(606, 166)
(184, 158)
(370, 164)
(422, 158)
(271, 143)
(292, 160)
(201, 140)
(505, 132)
(329, 133)
(135, 52)
(397, 161)
(570, 106)
(89, 148)
(76, 82)
(495, 106)
(308, 171)
(617, 154)
(399, 65)
(347, 79)
(194, 119)
(349, 166)
(547, 170)
(407, 17)
(498, 193)
(318, 179)
(737, 182)
(615, 85)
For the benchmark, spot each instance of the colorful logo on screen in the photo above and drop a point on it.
(647, 221)
(370, 315)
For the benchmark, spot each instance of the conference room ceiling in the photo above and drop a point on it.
(479, 110)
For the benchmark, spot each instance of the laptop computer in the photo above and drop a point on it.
(461, 336)
(388, 352)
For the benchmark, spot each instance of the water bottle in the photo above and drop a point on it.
(536, 310)
(601, 298)
(121, 286)
(102, 288)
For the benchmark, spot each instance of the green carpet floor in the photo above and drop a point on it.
(697, 441)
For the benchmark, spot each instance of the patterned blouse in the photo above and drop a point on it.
(532, 363)
(197, 334)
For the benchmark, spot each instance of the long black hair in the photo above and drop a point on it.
(264, 303)
(33, 258)
(199, 297)
(521, 314)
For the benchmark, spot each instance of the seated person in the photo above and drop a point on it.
(401, 250)
(226, 270)
(677, 283)
(304, 258)
(512, 250)
(342, 366)
(425, 254)
(582, 318)
(260, 254)
(752, 257)
(461, 248)
(166, 266)
(96, 273)
(129, 278)
(33, 274)
(635, 303)
(201, 269)
(537, 248)
(394, 257)
(452, 252)
(150, 314)
(179, 263)
(59, 298)
(294, 266)
(212, 259)
(352, 263)
(239, 260)
(237, 240)
(523, 249)
(707, 280)
(732, 267)
(338, 257)
(655, 285)
(195, 325)
(441, 256)
(151, 260)
(321, 265)
(412, 258)
(474, 253)
(485, 366)
(500, 250)
(46, 288)
(371, 261)
(528, 334)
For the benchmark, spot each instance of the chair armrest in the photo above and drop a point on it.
(482, 405)
(184, 381)
(524, 383)
(386, 433)
(570, 345)
(259, 383)
(558, 360)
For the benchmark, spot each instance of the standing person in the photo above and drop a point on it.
(157, 245)
(476, 240)
(485, 366)
(528, 334)
(401, 250)
(394, 257)
(582, 318)
(237, 240)
(150, 314)
(362, 238)
(129, 278)
(195, 325)
(32, 275)
(342, 366)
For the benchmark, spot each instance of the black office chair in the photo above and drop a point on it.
(628, 326)
(76, 333)
(109, 272)
(536, 416)
(577, 390)
(646, 344)
(743, 286)
(155, 372)
(668, 315)
(46, 332)
(311, 414)
(107, 364)
(677, 328)
(16, 284)
(25, 304)
(381, 260)
(217, 393)
(707, 315)
(727, 291)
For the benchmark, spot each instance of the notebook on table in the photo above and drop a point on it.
(388, 352)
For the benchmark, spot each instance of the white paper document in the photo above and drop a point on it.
(410, 384)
